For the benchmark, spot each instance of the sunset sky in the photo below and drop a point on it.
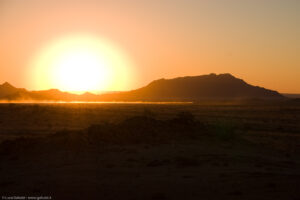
(256, 40)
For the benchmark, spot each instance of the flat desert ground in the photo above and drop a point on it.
(151, 151)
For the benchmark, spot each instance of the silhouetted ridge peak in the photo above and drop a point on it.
(226, 75)
(7, 85)
(210, 86)
(196, 79)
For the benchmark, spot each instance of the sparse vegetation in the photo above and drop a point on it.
(224, 131)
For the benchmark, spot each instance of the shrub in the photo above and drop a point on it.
(225, 131)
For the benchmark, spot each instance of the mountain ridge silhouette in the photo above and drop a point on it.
(188, 88)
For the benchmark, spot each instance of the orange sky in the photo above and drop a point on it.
(256, 40)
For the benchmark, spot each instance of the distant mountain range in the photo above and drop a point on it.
(190, 88)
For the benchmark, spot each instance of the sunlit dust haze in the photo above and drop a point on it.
(89, 45)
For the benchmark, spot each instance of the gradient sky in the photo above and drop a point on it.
(256, 40)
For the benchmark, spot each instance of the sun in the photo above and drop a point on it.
(80, 63)
(82, 70)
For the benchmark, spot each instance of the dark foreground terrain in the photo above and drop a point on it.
(151, 151)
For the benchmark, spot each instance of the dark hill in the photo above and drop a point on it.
(7, 89)
(190, 88)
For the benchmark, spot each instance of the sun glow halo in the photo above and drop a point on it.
(81, 63)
